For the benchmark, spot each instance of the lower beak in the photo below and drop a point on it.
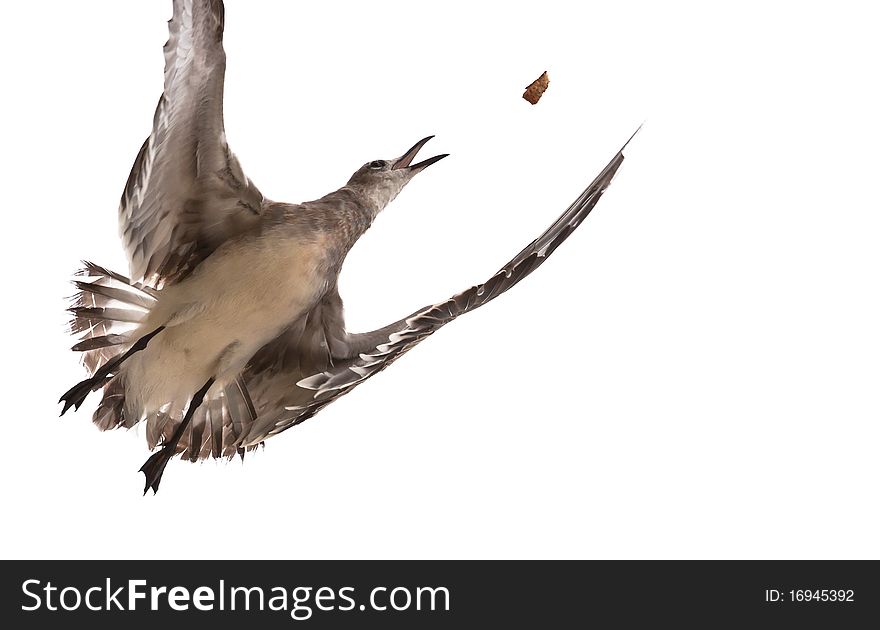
(406, 159)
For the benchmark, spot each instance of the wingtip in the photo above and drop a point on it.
(625, 144)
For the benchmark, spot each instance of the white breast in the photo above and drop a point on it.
(238, 300)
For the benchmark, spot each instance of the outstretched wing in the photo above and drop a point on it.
(282, 399)
(186, 193)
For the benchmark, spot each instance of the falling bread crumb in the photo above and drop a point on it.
(536, 89)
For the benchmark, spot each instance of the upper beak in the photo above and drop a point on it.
(405, 160)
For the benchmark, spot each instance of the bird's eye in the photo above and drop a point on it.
(378, 164)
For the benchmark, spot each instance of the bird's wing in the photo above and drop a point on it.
(186, 193)
(286, 399)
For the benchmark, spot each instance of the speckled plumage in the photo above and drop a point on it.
(233, 296)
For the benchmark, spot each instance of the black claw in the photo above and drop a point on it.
(76, 395)
(154, 467)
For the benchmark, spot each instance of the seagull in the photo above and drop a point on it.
(230, 327)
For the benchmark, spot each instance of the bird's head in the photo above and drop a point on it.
(378, 182)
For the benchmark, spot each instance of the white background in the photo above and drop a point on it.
(694, 374)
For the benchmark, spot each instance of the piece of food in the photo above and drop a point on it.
(536, 89)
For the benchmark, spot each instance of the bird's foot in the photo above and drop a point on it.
(75, 396)
(155, 466)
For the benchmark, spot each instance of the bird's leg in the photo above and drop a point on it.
(155, 465)
(75, 396)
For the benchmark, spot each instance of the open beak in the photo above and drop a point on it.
(406, 159)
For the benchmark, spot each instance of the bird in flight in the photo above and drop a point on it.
(230, 328)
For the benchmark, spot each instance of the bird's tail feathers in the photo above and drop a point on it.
(106, 311)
